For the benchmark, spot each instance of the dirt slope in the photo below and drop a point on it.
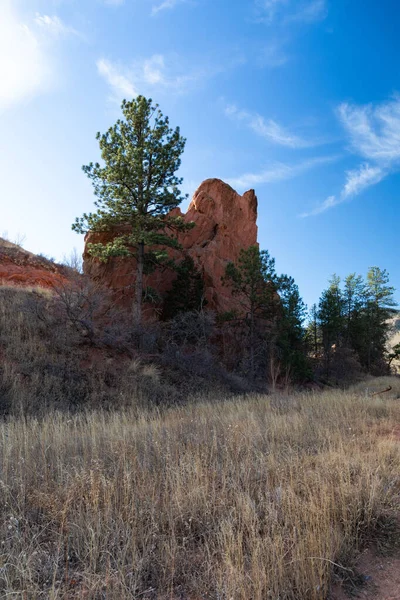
(22, 268)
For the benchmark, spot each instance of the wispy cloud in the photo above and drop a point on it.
(357, 180)
(144, 76)
(54, 25)
(279, 172)
(120, 84)
(269, 129)
(374, 134)
(287, 11)
(272, 55)
(28, 66)
(268, 10)
(166, 5)
(309, 12)
(374, 131)
(25, 69)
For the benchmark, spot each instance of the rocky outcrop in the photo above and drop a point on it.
(225, 222)
(18, 267)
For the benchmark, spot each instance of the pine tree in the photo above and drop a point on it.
(291, 334)
(252, 279)
(313, 331)
(353, 307)
(331, 319)
(187, 292)
(355, 320)
(136, 187)
(379, 303)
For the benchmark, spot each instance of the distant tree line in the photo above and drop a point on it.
(349, 328)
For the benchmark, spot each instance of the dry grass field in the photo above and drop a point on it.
(267, 497)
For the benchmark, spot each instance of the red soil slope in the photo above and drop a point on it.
(22, 268)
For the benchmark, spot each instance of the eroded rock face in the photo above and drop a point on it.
(225, 223)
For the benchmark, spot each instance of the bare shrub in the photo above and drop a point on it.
(68, 350)
(86, 306)
(190, 329)
(74, 261)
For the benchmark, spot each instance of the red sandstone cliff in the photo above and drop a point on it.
(225, 223)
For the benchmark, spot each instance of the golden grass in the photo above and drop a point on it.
(252, 499)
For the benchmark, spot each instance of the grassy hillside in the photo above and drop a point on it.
(260, 497)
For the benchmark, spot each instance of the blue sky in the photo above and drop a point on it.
(299, 99)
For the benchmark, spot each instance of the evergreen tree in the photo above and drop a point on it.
(313, 331)
(187, 292)
(331, 319)
(291, 334)
(136, 187)
(354, 307)
(274, 313)
(379, 304)
(253, 280)
(355, 320)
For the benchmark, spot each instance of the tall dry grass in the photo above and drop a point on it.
(259, 498)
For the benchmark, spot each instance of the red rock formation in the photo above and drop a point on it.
(225, 223)
(22, 268)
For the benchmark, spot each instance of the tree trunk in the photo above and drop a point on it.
(137, 302)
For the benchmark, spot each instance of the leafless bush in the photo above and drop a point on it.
(68, 350)
(19, 239)
(73, 261)
(88, 309)
(190, 329)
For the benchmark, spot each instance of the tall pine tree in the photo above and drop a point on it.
(136, 186)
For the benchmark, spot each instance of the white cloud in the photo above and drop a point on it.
(330, 202)
(167, 4)
(272, 55)
(309, 12)
(269, 9)
(361, 178)
(278, 172)
(357, 180)
(144, 76)
(27, 54)
(119, 83)
(286, 11)
(53, 25)
(269, 129)
(374, 133)
(154, 70)
(24, 66)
